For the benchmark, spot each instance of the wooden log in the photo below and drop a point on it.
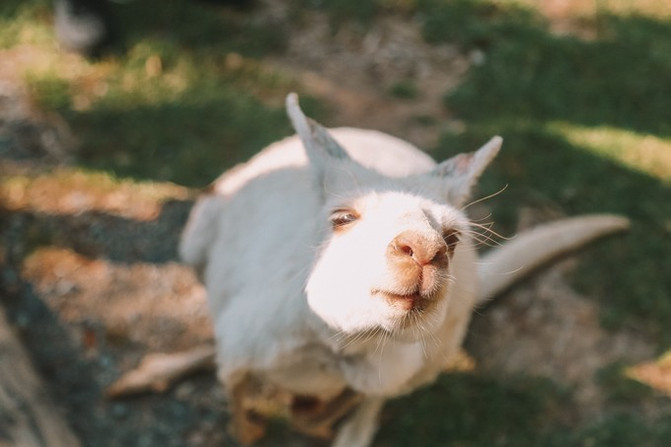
(28, 416)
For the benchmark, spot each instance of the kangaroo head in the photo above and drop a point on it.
(388, 243)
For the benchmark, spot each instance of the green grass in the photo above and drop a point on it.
(182, 98)
(451, 412)
(197, 27)
(586, 129)
(620, 389)
(200, 134)
(466, 410)
(404, 90)
(25, 21)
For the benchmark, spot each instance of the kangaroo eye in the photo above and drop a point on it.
(451, 238)
(342, 218)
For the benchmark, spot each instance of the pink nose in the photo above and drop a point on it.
(420, 248)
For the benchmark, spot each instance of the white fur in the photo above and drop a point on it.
(293, 301)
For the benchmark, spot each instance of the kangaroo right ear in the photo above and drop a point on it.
(321, 148)
(463, 170)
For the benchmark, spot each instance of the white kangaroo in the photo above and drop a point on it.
(340, 265)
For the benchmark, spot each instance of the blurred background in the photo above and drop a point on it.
(103, 148)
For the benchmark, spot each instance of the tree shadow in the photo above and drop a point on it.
(193, 24)
(619, 77)
(79, 356)
(96, 234)
(197, 25)
(512, 405)
(189, 141)
(77, 382)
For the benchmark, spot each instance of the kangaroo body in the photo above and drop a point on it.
(339, 265)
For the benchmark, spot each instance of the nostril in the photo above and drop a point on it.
(405, 245)
(420, 248)
(405, 249)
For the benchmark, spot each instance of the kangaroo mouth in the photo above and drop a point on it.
(406, 301)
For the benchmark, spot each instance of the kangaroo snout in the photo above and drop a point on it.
(416, 261)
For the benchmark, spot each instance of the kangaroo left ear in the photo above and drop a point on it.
(463, 170)
(321, 148)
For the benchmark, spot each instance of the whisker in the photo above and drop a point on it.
(366, 334)
(481, 239)
(421, 332)
(486, 236)
(352, 339)
(488, 228)
(380, 343)
(338, 337)
(482, 199)
(483, 218)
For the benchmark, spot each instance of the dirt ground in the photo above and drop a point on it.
(107, 287)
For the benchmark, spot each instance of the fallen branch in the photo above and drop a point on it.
(28, 417)
(157, 372)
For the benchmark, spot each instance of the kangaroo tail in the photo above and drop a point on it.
(200, 232)
(515, 259)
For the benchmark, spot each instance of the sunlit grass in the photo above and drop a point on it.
(650, 8)
(576, 8)
(25, 22)
(644, 153)
(65, 191)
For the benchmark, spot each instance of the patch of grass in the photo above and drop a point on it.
(644, 153)
(404, 90)
(425, 120)
(187, 135)
(197, 27)
(618, 387)
(184, 100)
(615, 430)
(339, 10)
(189, 140)
(586, 130)
(25, 21)
(470, 410)
(564, 78)
(478, 23)
(63, 191)
(362, 11)
(50, 92)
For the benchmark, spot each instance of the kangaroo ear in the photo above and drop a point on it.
(320, 146)
(462, 171)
